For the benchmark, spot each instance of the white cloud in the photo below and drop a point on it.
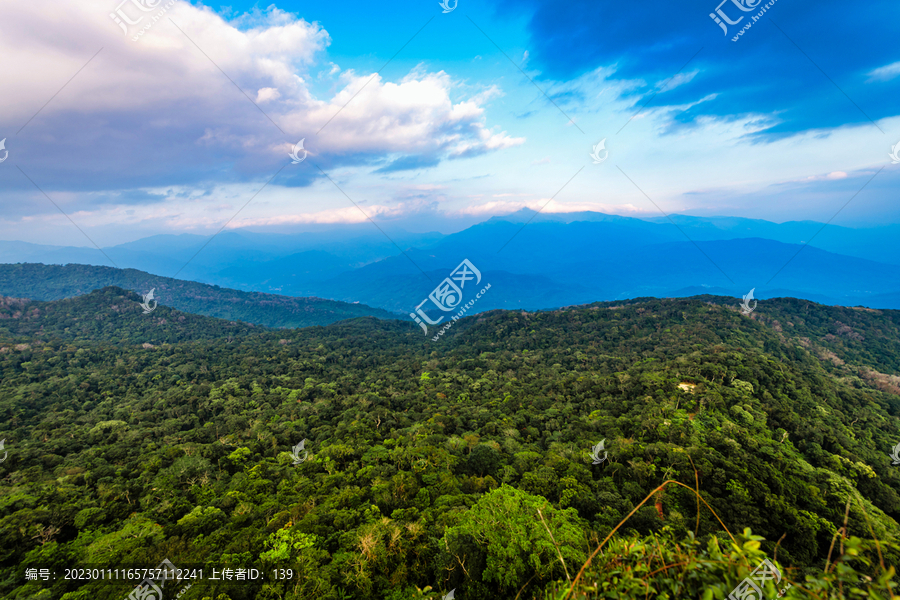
(156, 115)
(349, 214)
(415, 116)
(266, 94)
(885, 73)
(551, 207)
(144, 110)
(679, 79)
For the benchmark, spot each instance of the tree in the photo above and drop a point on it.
(509, 541)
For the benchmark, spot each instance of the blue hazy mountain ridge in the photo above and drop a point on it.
(288, 275)
(661, 270)
(361, 242)
(555, 260)
(873, 243)
(197, 258)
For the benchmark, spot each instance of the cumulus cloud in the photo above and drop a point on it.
(414, 116)
(266, 94)
(176, 104)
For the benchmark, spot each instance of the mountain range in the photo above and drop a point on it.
(531, 260)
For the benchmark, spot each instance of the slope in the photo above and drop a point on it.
(52, 282)
(426, 463)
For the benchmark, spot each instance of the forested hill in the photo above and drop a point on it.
(54, 282)
(463, 464)
(111, 316)
(847, 340)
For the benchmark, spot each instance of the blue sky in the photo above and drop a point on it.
(789, 122)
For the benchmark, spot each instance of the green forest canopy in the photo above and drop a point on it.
(463, 464)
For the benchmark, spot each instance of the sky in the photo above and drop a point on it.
(125, 119)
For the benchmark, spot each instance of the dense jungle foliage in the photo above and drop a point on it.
(463, 464)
